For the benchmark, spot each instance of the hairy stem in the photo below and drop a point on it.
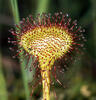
(46, 84)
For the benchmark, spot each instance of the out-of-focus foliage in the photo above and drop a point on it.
(80, 79)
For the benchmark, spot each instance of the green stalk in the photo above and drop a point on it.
(15, 13)
(42, 6)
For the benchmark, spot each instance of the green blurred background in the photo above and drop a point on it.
(80, 79)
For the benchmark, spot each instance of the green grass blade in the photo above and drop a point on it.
(15, 10)
(42, 6)
(15, 13)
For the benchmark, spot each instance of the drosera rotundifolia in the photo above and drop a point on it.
(48, 38)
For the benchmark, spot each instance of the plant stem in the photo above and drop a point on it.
(15, 13)
(46, 84)
(42, 6)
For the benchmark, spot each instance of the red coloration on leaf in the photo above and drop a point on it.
(46, 20)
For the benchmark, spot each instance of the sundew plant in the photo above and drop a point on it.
(47, 38)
